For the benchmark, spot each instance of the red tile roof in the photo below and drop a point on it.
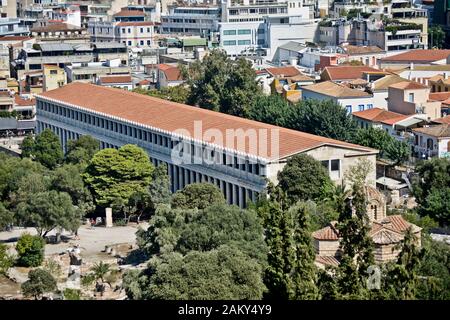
(443, 120)
(347, 72)
(170, 117)
(59, 26)
(136, 24)
(422, 56)
(408, 85)
(144, 82)
(438, 131)
(439, 96)
(115, 79)
(380, 115)
(172, 73)
(129, 13)
(329, 233)
(284, 71)
(24, 102)
(15, 38)
(327, 260)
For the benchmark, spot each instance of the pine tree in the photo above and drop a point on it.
(304, 270)
(402, 278)
(356, 245)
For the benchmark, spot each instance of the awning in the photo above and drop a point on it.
(408, 122)
(191, 42)
(391, 184)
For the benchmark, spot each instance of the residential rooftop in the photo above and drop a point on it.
(380, 115)
(438, 131)
(336, 73)
(335, 90)
(418, 56)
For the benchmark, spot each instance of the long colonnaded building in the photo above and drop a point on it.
(238, 155)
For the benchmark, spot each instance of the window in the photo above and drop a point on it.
(229, 32)
(260, 41)
(244, 31)
(229, 43)
(123, 30)
(129, 43)
(335, 165)
(148, 42)
(411, 97)
(326, 164)
(142, 42)
(370, 106)
(53, 72)
(243, 42)
(129, 30)
(361, 107)
(349, 109)
(142, 30)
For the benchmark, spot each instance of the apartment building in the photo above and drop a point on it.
(130, 33)
(250, 25)
(198, 145)
(12, 27)
(60, 32)
(8, 9)
(53, 77)
(195, 20)
(92, 71)
(432, 141)
(412, 98)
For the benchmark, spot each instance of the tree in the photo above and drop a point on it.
(27, 146)
(6, 217)
(357, 246)
(431, 188)
(117, 174)
(373, 138)
(436, 36)
(291, 273)
(220, 84)
(275, 110)
(159, 188)
(45, 149)
(402, 278)
(100, 270)
(178, 93)
(39, 283)
(68, 178)
(81, 150)
(389, 147)
(48, 210)
(304, 178)
(223, 273)
(185, 230)
(6, 259)
(30, 250)
(398, 151)
(325, 118)
(197, 195)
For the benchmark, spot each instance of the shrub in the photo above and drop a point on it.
(72, 294)
(6, 260)
(30, 250)
(40, 282)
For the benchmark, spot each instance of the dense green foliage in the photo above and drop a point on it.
(45, 148)
(6, 259)
(388, 146)
(30, 250)
(432, 189)
(197, 195)
(81, 150)
(40, 282)
(115, 174)
(178, 93)
(222, 273)
(221, 84)
(304, 178)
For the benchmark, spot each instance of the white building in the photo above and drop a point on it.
(132, 34)
(199, 21)
(352, 99)
(253, 25)
(197, 145)
(432, 141)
